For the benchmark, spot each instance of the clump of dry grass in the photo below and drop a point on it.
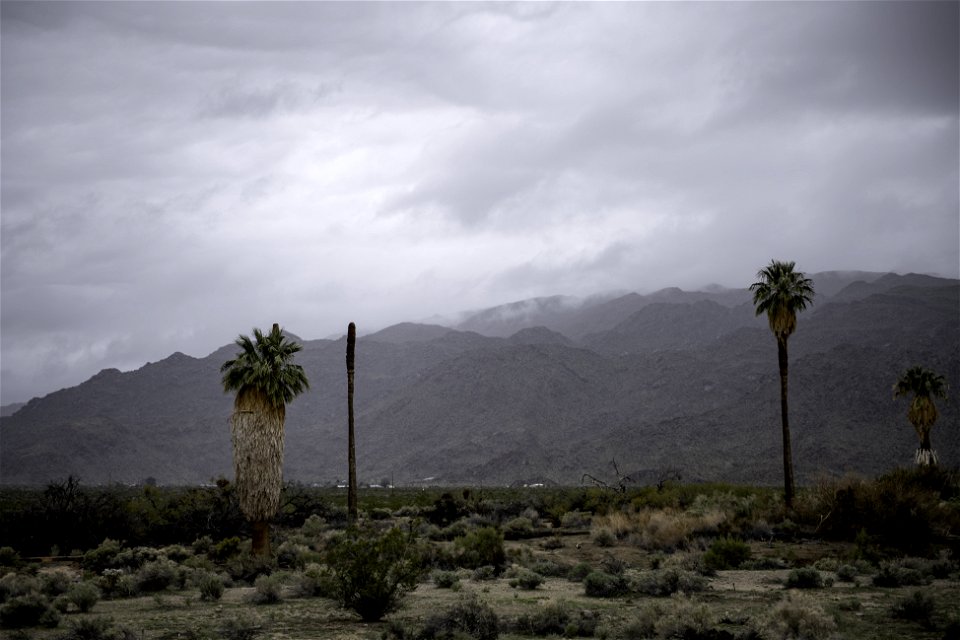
(658, 529)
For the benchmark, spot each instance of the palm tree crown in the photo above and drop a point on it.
(925, 385)
(264, 365)
(781, 292)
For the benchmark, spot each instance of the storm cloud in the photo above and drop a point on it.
(174, 174)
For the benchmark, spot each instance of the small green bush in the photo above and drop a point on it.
(847, 573)
(519, 527)
(726, 553)
(157, 575)
(604, 538)
(550, 569)
(16, 584)
(96, 629)
(804, 578)
(267, 589)
(209, 584)
(224, 549)
(28, 610)
(666, 582)
(918, 607)
(579, 572)
(445, 579)
(526, 579)
(315, 580)
(558, 618)
(373, 570)
(55, 582)
(9, 557)
(484, 546)
(240, 627)
(796, 617)
(486, 572)
(598, 584)
(469, 617)
(102, 557)
(682, 618)
(83, 596)
(898, 574)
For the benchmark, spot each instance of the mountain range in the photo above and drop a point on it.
(681, 383)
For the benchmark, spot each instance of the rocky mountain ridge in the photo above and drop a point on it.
(674, 381)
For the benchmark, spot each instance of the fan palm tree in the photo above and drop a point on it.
(781, 292)
(925, 385)
(265, 380)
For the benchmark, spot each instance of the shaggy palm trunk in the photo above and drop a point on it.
(257, 434)
(351, 446)
(785, 422)
(926, 456)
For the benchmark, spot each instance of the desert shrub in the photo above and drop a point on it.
(726, 553)
(804, 578)
(445, 579)
(202, 545)
(157, 575)
(470, 617)
(291, 555)
(481, 547)
(519, 527)
(486, 572)
(552, 543)
(446, 510)
(55, 582)
(99, 628)
(267, 589)
(846, 573)
(666, 582)
(579, 572)
(550, 568)
(209, 585)
(901, 509)
(224, 549)
(558, 618)
(16, 584)
(176, 552)
(9, 557)
(918, 607)
(826, 564)
(83, 595)
(575, 520)
(598, 584)
(240, 627)
(373, 570)
(117, 583)
(526, 579)
(682, 618)
(796, 617)
(313, 526)
(613, 565)
(315, 580)
(898, 574)
(104, 556)
(604, 537)
(28, 610)
(246, 567)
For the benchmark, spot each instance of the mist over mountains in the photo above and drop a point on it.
(542, 390)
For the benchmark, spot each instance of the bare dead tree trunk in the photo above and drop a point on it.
(351, 446)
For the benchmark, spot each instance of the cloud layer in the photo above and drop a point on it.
(174, 174)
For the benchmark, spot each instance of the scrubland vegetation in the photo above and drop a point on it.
(855, 558)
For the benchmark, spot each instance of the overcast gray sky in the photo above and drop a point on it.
(174, 174)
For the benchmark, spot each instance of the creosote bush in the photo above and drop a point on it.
(372, 570)
(598, 584)
(526, 579)
(666, 582)
(796, 617)
(918, 606)
(726, 553)
(470, 618)
(804, 578)
(83, 595)
(28, 610)
(481, 547)
(558, 618)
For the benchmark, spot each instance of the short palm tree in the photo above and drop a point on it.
(265, 380)
(781, 292)
(925, 385)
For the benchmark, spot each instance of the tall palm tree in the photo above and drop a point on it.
(352, 510)
(925, 385)
(265, 380)
(781, 292)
